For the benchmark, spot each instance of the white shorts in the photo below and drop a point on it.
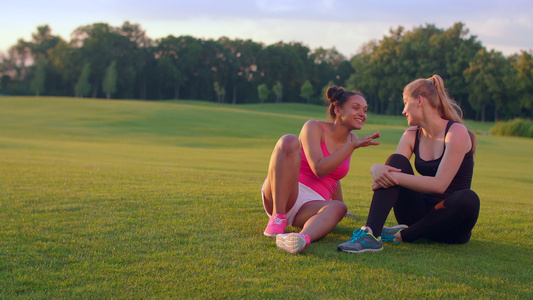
(305, 195)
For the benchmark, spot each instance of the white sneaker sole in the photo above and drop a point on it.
(291, 242)
(361, 251)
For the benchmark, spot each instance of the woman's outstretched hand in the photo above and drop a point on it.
(383, 176)
(366, 141)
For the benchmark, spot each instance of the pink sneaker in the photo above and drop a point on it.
(292, 242)
(276, 225)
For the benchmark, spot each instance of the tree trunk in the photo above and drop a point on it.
(95, 90)
(142, 92)
(177, 92)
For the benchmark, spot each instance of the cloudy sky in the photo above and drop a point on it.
(502, 25)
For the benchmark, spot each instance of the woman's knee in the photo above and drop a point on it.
(338, 207)
(288, 144)
(399, 161)
(472, 199)
(463, 199)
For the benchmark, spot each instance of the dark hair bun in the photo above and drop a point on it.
(333, 93)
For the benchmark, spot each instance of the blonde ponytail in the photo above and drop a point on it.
(448, 108)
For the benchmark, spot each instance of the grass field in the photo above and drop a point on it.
(152, 200)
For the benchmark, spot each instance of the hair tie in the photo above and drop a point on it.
(432, 78)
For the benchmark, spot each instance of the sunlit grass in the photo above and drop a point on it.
(131, 200)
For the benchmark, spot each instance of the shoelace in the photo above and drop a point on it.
(278, 221)
(387, 237)
(357, 234)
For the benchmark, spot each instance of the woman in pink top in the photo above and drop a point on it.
(302, 188)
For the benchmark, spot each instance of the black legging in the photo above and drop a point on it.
(447, 221)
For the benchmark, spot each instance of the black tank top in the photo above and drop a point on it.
(463, 178)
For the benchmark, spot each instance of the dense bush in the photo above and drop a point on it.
(516, 127)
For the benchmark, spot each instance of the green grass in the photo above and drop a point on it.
(135, 200)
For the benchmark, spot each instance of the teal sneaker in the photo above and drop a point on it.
(388, 233)
(362, 241)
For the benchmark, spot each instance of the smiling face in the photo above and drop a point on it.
(353, 112)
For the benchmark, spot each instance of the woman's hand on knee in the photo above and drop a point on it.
(383, 176)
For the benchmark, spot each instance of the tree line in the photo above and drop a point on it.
(102, 61)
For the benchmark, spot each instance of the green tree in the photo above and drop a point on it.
(83, 86)
(43, 41)
(242, 71)
(134, 55)
(6, 82)
(487, 87)
(329, 66)
(523, 65)
(100, 44)
(287, 63)
(325, 89)
(109, 85)
(460, 48)
(37, 83)
(19, 55)
(220, 92)
(67, 62)
(306, 91)
(278, 91)
(185, 53)
(263, 92)
(168, 79)
(96, 44)
(383, 68)
(364, 76)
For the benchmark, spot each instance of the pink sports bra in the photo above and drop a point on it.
(326, 185)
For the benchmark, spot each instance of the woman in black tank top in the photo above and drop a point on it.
(438, 205)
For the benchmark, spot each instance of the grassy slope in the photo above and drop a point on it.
(130, 199)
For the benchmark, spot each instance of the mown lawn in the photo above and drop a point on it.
(135, 200)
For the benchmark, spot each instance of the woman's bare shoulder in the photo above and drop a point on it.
(410, 132)
(312, 123)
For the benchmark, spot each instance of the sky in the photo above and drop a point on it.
(501, 25)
